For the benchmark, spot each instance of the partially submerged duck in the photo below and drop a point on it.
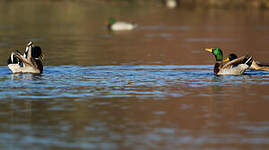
(114, 25)
(235, 67)
(29, 62)
(255, 65)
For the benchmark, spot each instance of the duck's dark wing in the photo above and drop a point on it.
(235, 62)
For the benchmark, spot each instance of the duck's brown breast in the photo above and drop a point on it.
(216, 68)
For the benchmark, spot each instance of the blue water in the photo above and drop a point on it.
(81, 82)
(137, 107)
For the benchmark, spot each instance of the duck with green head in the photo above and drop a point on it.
(255, 65)
(114, 25)
(235, 67)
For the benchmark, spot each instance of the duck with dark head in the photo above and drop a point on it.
(255, 65)
(29, 62)
(235, 67)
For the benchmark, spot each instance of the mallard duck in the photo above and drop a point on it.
(29, 62)
(234, 67)
(114, 25)
(255, 65)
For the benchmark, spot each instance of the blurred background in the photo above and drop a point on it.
(74, 32)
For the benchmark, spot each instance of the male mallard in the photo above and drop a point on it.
(114, 25)
(234, 67)
(255, 65)
(30, 62)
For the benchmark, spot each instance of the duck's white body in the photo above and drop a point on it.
(121, 26)
(235, 67)
(238, 70)
(16, 68)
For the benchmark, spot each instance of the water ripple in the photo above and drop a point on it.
(154, 81)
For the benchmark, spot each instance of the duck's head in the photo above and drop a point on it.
(216, 52)
(111, 21)
(37, 53)
(230, 57)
